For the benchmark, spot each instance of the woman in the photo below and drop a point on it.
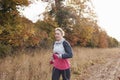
(61, 53)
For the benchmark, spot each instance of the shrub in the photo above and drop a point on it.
(5, 50)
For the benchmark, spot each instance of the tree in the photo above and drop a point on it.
(9, 13)
(94, 41)
(47, 26)
(10, 25)
(79, 21)
(72, 19)
(103, 42)
(112, 42)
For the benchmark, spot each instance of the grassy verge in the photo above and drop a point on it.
(35, 65)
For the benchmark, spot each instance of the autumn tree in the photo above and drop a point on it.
(112, 42)
(10, 27)
(94, 41)
(76, 17)
(103, 42)
(118, 44)
(71, 18)
(47, 26)
(9, 13)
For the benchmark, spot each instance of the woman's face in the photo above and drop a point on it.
(58, 35)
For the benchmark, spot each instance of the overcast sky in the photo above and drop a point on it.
(109, 16)
(108, 13)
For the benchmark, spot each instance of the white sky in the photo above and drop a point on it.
(107, 11)
(33, 11)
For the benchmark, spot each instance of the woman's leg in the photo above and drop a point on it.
(66, 74)
(56, 74)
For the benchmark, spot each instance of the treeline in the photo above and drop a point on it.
(77, 18)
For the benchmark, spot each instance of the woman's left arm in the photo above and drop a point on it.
(68, 50)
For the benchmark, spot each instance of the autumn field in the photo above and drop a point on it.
(34, 65)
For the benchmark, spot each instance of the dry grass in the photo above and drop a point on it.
(36, 66)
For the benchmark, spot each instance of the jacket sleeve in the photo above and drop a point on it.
(68, 50)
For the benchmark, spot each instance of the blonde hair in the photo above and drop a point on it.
(61, 30)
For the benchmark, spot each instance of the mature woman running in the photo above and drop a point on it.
(62, 51)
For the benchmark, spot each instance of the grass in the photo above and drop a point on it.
(35, 65)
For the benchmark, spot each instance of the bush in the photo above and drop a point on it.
(5, 50)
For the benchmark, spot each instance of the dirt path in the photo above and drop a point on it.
(108, 71)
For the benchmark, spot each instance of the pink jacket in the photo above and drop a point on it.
(61, 64)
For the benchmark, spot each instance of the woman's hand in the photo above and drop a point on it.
(56, 56)
(52, 61)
